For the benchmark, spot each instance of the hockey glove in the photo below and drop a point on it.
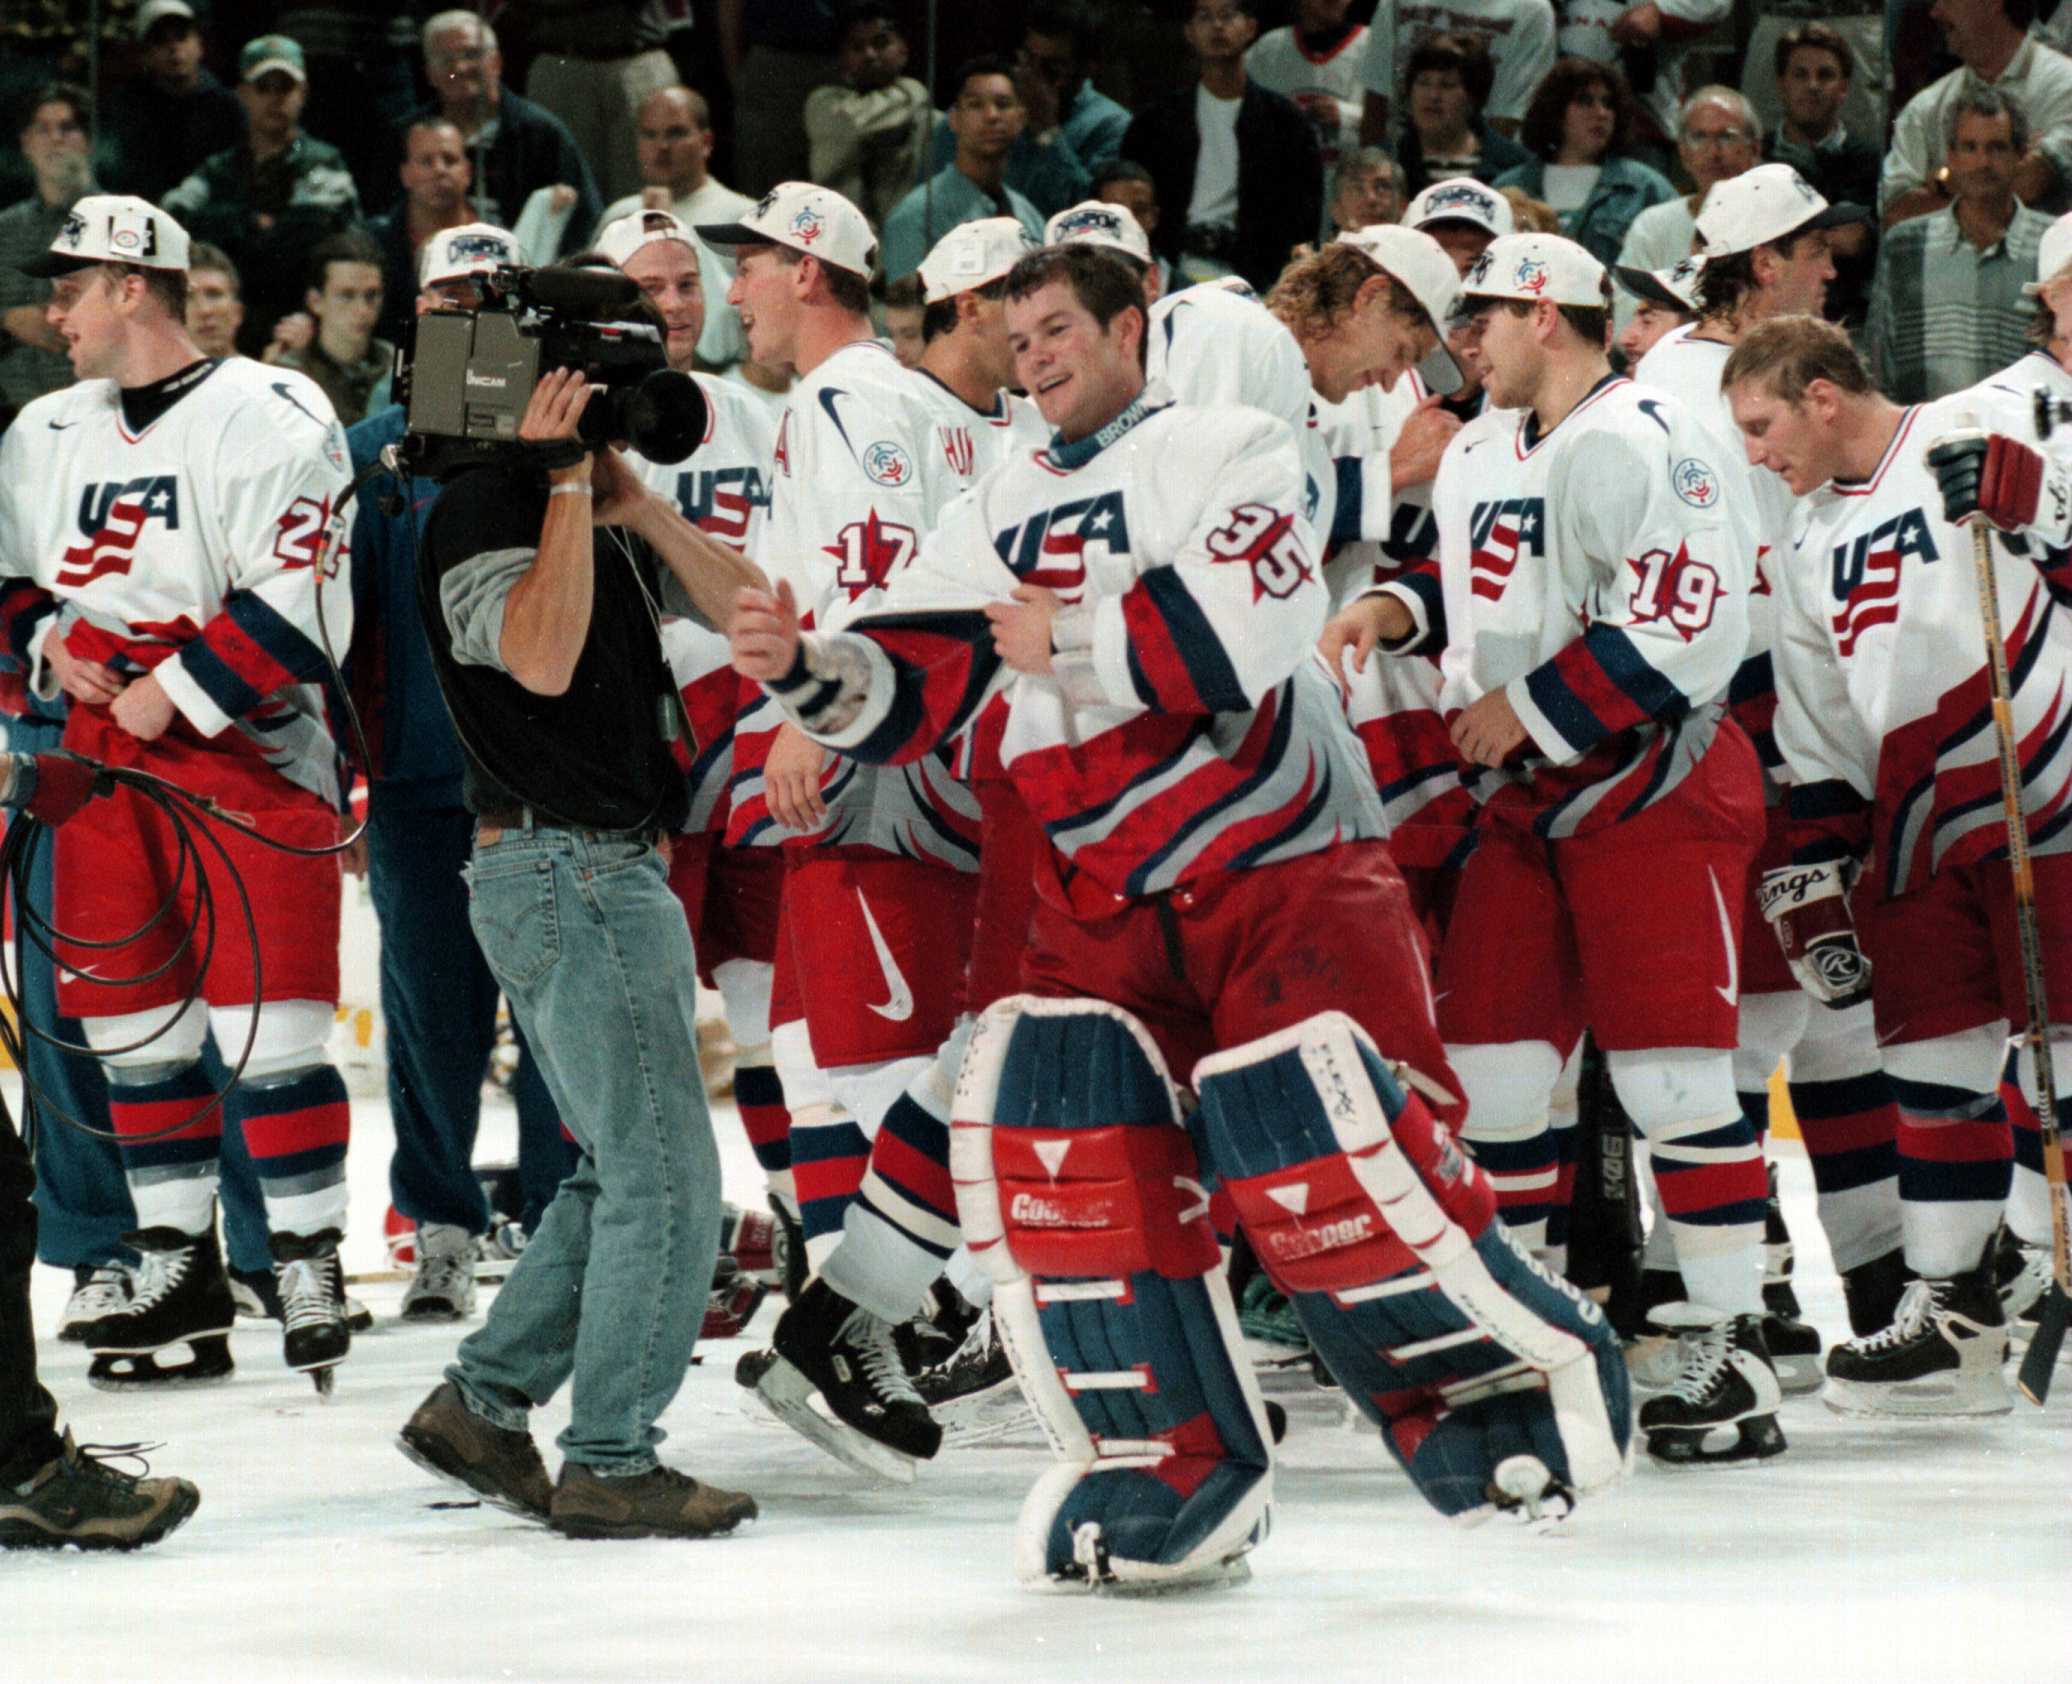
(1988, 474)
(1808, 907)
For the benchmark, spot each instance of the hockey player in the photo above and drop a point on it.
(182, 509)
(1215, 878)
(1885, 724)
(1595, 608)
(1765, 239)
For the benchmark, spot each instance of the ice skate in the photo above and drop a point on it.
(172, 1330)
(1873, 1290)
(1722, 1407)
(443, 1289)
(974, 1395)
(98, 1289)
(1942, 1355)
(314, 1334)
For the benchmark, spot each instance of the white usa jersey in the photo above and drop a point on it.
(1591, 574)
(194, 548)
(723, 489)
(1884, 710)
(1757, 498)
(1194, 730)
(861, 472)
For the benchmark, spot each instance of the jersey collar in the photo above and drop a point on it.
(1079, 452)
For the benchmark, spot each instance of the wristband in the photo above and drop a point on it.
(571, 489)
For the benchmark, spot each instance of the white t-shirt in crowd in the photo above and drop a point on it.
(1215, 167)
(1568, 185)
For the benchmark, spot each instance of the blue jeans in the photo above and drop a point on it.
(592, 951)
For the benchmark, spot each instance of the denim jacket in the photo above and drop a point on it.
(1625, 187)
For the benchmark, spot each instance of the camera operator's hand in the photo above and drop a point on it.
(555, 411)
(791, 779)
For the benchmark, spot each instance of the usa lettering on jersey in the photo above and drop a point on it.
(1865, 573)
(1048, 550)
(723, 501)
(112, 517)
(1502, 532)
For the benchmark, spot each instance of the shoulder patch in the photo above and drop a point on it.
(1695, 483)
(886, 463)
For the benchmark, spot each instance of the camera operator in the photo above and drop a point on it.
(540, 590)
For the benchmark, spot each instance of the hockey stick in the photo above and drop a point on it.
(2035, 1375)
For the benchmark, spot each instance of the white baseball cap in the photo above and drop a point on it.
(622, 237)
(1676, 286)
(1762, 205)
(2052, 254)
(112, 228)
(1533, 267)
(157, 11)
(474, 248)
(1093, 222)
(971, 255)
(1420, 263)
(815, 220)
(1461, 200)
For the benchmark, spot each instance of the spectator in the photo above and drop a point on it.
(904, 309)
(1465, 217)
(175, 116)
(1241, 160)
(1127, 183)
(361, 58)
(1663, 301)
(435, 173)
(1517, 34)
(1716, 139)
(52, 135)
(1366, 188)
(1815, 71)
(597, 63)
(215, 300)
(1651, 44)
(985, 116)
(1315, 63)
(675, 152)
(519, 149)
(268, 201)
(776, 53)
(1947, 307)
(867, 131)
(335, 344)
(1858, 29)
(1990, 37)
(1577, 131)
(1447, 84)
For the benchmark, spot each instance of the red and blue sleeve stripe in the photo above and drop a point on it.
(1600, 685)
(1828, 821)
(1177, 662)
(942, 664)
(1422, 582)
(247, 652)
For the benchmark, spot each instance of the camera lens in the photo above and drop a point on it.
(663, 417)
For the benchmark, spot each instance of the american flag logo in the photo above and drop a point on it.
(1866, 574)
(1498, 533)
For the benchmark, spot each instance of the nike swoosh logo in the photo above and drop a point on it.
(286, 394)
(900, 1006)
(827, 402)
(60, 426)
(1732, 991)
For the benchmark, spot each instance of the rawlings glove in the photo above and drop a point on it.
(1808, 907)
(51, 787)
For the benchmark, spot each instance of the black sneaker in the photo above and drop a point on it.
(498, 1464)
(1722, 1406)
(1873, 1290)
(314, 1334)
(76, 1498)
(177, 1297)
(661, 1503)
(1942, 1354)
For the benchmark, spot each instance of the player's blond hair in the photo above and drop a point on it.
(1316, 291)
(1786, 354)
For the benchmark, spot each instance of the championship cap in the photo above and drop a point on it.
(154, 12)
(474, 248)
(1093, 223)
(1461, 200)
(1676, 286)
(814, 220)
(113, 228)
(622, 237)
(1421, 265)
(271, 52)
(971, 254)
(2052, 255)
(1765, 204)
(1533, 267)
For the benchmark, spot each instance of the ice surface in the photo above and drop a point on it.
(1917, 1551)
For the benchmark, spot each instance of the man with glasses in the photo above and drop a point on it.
(1717, 138)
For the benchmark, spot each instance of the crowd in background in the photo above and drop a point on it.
(314, 149)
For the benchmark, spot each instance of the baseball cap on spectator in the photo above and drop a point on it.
(271, 52)
(1461, 200)
(1676, 286)
(474, 248)
(2052, 254)
(815, 220)
(1766, 204)
(1421, 265)
(113, 228)
(1093, 222)
(155, 12)
(621, 238)
(972, 254)
(1537, 267)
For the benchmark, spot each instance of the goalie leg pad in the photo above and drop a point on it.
(1077, 1190)
(1441, 1328)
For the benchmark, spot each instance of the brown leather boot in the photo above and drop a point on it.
(660, 1503)
(447, 1438)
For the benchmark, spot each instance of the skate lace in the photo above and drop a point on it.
(91, 1461)
(1916, 1304)
(306, 1298)
(878, 1356)
(157, 1274)
(1704, 1362)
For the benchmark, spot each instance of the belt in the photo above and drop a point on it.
(492, 827)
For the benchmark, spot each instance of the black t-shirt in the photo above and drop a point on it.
(596, 756)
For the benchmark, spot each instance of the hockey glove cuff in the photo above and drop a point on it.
(1808, 907)
(2002, 479)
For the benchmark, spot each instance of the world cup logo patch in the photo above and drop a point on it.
(807, 226)
(1695, 483)
(1532, 276)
